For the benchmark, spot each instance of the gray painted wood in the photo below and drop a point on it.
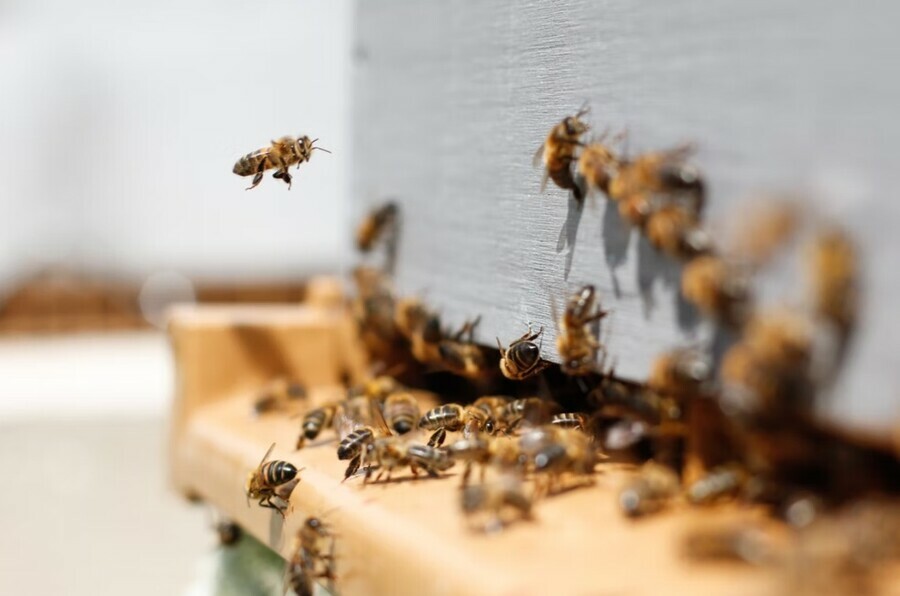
(451, 99)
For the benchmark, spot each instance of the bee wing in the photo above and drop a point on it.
(266, 456)
(538, 159)
(377, 418)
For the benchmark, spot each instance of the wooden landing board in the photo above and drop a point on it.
(406, 536)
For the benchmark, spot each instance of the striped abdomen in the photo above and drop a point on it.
(276, 473)
(569, 420)
(252, 163)
(352, 444)
(448, 416)
(401, 412)
(430, 458)
(316, 420)
(522, 408)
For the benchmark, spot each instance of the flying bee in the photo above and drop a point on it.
(280, 156)
(454, 418)
(503, 500)
(276, 394)
(264, 482)
(654, 179)
(558, 152)
(681, 373)
(380, 222)
(312, 558)
(572, 420)
(597, 165)
(648, 492)
(314, 421)
(718, 287)
(576, 343)
(523, 357)
(676, 231)
(401, 412)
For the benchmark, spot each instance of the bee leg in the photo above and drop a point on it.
(284, 175)
(352, 467)
(256, 180)
(438, 435)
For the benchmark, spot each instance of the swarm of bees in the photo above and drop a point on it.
(704, 429)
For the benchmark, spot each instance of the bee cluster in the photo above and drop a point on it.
(731, 421)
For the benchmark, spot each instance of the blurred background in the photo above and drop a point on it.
(119, 126)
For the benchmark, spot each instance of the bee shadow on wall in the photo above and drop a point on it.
(616, 234)
(569, 231)
(653, 267)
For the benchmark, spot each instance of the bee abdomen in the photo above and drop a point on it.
(430, 457)
(351, 445)
(276, 473)
(569, 420)
(313, 423)
(448, 416)
(250, 164)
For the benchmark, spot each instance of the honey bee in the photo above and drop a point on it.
(676, 231)
(655, 179)
(401, 412)
(280, 156)
(834, 271)
(411, 315)
(454, 418)
(558, 152)
(575, 342)
(385, 454)
(483, 450)
(460, 354)
(373, 308)
(425, 343)
(503, 500)
(648, 492)
(523, 357)
(718, 287)
(314, 421)
(533, 410)
(681, 373)
(720, 483)
(269, 480)
(276, 394)
(312, 558)
(554, 452)
(572, 420)
(597, 165)
(378, 222)
(358, 427)
(769, 370)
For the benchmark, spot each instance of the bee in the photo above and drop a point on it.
(648, 492)
(358, 427)
(401, 412)
(280, 156)
(314, 421)
(575, 342)
(523, 357)
(533, 410)
(264, 482)
(312, 558)
(378, 222)
(555, 451)
(721, 482)
(454, 418)
(558, 152)
(378, 389)
(597, 165)
(276, 394)
(681, 373)
(460, 354)
(411, 315)
(503, 500)
(387, 453)
(484, 450)
(719, 287)
(572, 420)
(654, 179)
(676, 231)
(425, 343)
(373, 308)
(769, 370)
(833, 265)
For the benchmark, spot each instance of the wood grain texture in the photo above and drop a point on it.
(452, 99)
